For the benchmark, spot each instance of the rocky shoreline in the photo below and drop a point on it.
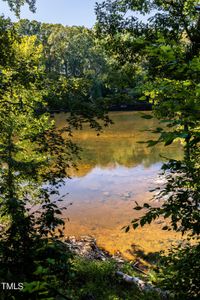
(86, 246)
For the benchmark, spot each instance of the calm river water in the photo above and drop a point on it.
(114, 172)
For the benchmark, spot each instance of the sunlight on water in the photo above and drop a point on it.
(114, 172)
(112, 182)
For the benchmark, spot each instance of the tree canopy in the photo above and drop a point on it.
(155, 57)
(15, 5)
(166, 46)
(34, 159)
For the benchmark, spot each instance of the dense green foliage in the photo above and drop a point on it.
(98, 280)
(44, 67)
(15, 5)
(31, 170)
(78, 69)
(74, 64)
(167, 48)
(34, 158)
(179, 271)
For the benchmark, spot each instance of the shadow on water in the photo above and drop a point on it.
(150, 257)
(114, 172)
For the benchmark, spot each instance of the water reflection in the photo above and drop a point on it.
(118, 144)
(114, 172)
(112, 183)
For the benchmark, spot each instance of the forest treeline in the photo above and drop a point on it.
(45, 66)
(78, 68)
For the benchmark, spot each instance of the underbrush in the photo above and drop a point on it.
(51, 272)
(97, 280)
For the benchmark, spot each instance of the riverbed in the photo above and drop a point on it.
(116, 170)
